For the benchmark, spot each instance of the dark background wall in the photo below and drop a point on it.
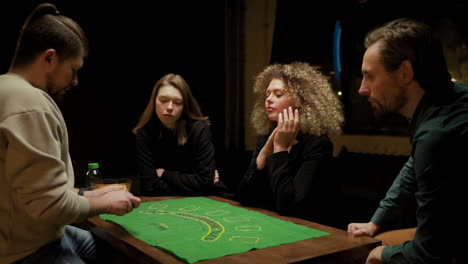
(133, 44)
(304, 30)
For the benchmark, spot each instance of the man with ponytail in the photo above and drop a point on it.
(38, 200)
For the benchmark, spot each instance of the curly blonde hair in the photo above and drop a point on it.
(320, 110)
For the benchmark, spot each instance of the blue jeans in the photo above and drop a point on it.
(69, 249)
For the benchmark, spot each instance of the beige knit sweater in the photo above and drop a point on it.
(36, 175)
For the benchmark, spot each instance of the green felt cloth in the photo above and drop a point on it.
(198, 228)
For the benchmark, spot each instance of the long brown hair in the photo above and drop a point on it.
(190, 112)
(46, 29)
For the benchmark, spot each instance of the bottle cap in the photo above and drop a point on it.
(93, 165)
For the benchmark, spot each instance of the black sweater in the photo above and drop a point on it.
(188, 169)
(299, 183)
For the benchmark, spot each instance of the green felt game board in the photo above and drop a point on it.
(198, 228)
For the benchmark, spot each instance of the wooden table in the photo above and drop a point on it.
(338, 247)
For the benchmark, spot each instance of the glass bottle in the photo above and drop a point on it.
(93, 175)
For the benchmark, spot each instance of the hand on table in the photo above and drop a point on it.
(121, 202)
(159, 173)
(375, 256)
(104, 190)
(363, 229)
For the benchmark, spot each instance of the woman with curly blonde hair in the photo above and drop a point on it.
(294, 113)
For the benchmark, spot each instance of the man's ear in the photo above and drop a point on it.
(405, 73)
(49, 59)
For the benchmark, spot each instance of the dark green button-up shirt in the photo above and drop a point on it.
(436, 176)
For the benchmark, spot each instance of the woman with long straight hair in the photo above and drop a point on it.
(175, 154)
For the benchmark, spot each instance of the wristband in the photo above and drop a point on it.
(82, 190)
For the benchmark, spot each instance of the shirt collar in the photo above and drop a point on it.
(418, 115)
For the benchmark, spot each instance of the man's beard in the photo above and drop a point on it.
(56, 94)
(58, 97)
(381, 111)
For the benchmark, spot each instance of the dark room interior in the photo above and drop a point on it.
(133, 44)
